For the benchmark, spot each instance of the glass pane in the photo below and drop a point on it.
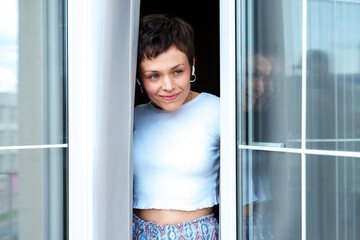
(32, 72)
(31, 194)
(271, 195)
(333, 198)
(270, 74)
(333, 75)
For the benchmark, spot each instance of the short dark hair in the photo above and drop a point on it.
(158, 32)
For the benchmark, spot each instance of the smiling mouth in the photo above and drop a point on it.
(253, 98)
(169, 98)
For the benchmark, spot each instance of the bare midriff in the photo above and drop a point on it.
(170, 217)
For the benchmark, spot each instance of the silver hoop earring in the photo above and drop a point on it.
(139, 83)
(193, 74)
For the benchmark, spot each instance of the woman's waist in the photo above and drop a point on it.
(171, 217)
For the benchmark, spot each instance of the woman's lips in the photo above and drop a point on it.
(169, 98)
(253, 98)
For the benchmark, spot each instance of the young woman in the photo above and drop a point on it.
(176, 138)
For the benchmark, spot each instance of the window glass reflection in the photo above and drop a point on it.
(32, 71)
(273, 73)
(8, 71)
(271, 195)
(8, 47)
(271, 76)
(271, 80)
(32, 112)
(26, 206)
(333, 197)
(333, 75)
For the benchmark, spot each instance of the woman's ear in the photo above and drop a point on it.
(139, 83)
(193, 67)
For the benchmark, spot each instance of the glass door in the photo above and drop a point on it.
(33, 120)
(298, 119)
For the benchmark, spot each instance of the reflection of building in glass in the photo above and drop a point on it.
(8, 119)
(8, 130)
(8, 165)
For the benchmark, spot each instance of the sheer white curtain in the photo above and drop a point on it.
(102, 67)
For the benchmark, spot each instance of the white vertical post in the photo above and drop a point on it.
(227, 121)
(303, 121)
(81, 111)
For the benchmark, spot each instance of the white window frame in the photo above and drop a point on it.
(228, 191)
(81, 121)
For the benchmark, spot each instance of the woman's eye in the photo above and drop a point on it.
(177, 72)
(255, 75)
(154, 76)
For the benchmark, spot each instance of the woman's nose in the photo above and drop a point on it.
(167, 84)
(259, 85)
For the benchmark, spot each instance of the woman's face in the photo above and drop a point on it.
(166, 79)
(258, 75)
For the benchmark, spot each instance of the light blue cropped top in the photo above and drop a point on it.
(176, 155)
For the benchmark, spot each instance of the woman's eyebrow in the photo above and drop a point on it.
(177, 65)
(259, 71)
(171, 68)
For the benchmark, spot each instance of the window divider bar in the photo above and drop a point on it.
(303, 151)
(303, 120)
(22, 147)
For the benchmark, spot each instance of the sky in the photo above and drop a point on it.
(8, 45)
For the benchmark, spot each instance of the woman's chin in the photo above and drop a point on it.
(171, 108)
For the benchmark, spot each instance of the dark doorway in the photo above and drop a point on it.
(204, 18)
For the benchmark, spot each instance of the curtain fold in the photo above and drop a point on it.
(114, 120)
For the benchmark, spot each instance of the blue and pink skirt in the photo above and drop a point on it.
(204, 228)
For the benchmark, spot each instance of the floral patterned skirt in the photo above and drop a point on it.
(204, 228)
